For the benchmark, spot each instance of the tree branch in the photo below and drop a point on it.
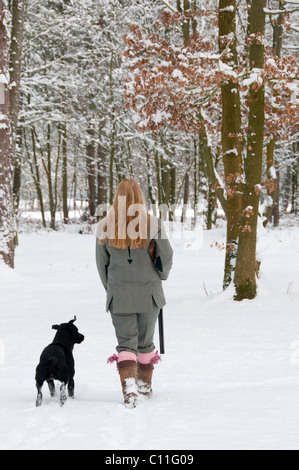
(270, 12)
(168, 5)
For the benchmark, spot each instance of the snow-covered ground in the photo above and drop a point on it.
(230, 376)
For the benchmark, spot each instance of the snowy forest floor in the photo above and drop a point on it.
(230, 376)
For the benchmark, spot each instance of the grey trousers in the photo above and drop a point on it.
(135, 331)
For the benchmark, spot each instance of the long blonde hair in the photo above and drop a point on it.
(122, 229)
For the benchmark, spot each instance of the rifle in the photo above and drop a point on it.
(152, 252)
(161, 332)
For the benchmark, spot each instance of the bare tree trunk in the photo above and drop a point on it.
(210, 170)
(172, 190)
(35, 172)
(245, 274)
(271, 182)
(90, 162)
(112, 134)
(168, 172)
(149, 176)
(211, 198)
(287, 188)
(7, 244)
(158, 176)
(276, 209)
(231, 141)
(295, 172)
(195, 180)
(63, 130)
(273, 176)
(165, 180)
(102, 175)
(48, 169)
(184, 5)
(186, 194)
(15, 63)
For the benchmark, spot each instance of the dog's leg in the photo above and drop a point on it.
(39, 398)
(71, 388)
(63, 396)
(51, 385)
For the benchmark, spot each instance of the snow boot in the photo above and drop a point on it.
(145, 369)
(144, 379)
(128, 376)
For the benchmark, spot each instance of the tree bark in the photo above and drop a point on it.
(245, 274)
(295, 171)
(48, 169)
(276, 209)
(231, 136)
(165, 180)
(7, 244)
(112, 133)
(63, 131)
(186, 194)
(15, 63)
(172, 191)
(210, 170)
(273, 186)
(102, 175)
(150, 183)
(211, 200)
(184, 5)
(90, 163)
(195, 181)
(271, 182)
(35, 172)
(158, 177)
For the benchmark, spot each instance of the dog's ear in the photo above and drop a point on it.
(55, 327)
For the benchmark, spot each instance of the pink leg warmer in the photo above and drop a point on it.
(149, 358)
(126, 356)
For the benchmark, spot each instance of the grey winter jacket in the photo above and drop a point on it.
(132, 281)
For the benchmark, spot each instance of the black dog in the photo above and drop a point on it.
(57, 362)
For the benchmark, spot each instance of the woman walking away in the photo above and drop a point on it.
(133, 256)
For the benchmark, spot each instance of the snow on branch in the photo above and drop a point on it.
(168, 5)
(230, 8)
(268, 11)
(173, 83)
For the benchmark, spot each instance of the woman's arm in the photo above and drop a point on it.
(103, 261)
(164, 254)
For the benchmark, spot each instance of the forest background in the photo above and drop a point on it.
(196, 100)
